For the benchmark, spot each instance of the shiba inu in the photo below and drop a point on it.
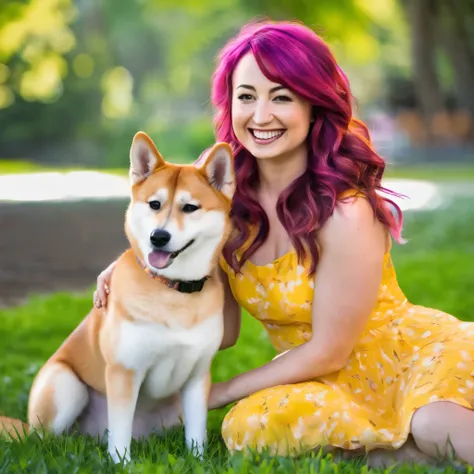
(144, 362)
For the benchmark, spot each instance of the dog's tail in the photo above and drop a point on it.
(13, 428)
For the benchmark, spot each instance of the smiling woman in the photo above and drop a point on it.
(284, 104)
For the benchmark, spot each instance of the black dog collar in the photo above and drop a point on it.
(178, 285)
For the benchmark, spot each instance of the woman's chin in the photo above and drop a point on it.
(265, 152)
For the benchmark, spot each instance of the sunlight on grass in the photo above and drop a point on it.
(432, 172)
(63, 186)
(14, 166)
(82, 184)
(19, 166)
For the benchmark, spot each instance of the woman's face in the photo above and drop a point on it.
(269, 120)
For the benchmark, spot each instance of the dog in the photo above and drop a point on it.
(143, 364)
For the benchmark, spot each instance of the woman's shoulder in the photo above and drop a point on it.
(352, 220)
(352, 209)
(352, 205)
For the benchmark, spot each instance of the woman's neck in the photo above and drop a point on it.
(276, 174)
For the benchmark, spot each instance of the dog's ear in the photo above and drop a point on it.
(144, 158)
(217, 165)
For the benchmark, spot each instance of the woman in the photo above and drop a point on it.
(359, 366)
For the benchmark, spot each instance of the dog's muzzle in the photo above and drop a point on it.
(159, 257)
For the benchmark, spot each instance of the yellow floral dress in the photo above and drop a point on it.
(407, 356)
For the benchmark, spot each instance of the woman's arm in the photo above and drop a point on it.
(232, 314)
(346, 285)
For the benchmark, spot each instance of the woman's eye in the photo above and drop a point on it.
(245, 97)
(283, 98)
(155, 205)
(188, 208)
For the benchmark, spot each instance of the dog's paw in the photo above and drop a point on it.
(119, 457)
(196, 449)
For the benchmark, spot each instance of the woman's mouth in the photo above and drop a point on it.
(265, 137)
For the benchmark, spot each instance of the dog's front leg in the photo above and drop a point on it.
(123, 386)
(194, 401)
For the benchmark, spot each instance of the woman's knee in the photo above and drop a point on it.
(422, 421)
(430, 429)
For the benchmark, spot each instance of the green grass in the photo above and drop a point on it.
(432, 172)
(27, 167)
(19, 166)
(434, 269)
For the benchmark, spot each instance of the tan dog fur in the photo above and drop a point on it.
(151, 349)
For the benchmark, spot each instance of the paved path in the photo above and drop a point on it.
(46, 247)
(64, 242)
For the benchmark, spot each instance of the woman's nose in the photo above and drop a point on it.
(262, 113)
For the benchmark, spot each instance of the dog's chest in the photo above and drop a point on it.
(168, 357)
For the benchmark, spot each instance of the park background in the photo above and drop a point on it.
(79, 77)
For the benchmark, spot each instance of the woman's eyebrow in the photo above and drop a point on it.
(252, 88)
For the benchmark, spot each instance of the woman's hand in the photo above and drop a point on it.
(103, 286)
(218, 395)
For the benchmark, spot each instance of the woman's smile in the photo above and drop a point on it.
(266, 137)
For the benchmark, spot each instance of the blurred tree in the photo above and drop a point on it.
(421, 14)
(34, 37)
(135, 64)
(79, 77)
(346, 24)
(442, 35)
(455, 23)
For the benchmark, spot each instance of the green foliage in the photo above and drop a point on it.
(434, 269)
(34, 37)
(78, 79)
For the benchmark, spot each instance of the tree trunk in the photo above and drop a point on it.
(429, 95)
(459, 47)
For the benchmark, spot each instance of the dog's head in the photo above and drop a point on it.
(178, 217)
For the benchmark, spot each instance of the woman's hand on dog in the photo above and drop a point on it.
(103, 288)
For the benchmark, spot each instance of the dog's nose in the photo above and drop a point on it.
(160, 237)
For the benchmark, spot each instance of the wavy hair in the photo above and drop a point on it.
(340, 155)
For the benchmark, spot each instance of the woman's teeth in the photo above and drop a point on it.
(267, 135)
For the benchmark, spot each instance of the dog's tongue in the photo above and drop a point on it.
(158, 258)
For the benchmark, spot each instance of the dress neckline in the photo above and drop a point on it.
(286, 255)
(273, 262)
(291, 251)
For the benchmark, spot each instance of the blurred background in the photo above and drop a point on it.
(79, 77)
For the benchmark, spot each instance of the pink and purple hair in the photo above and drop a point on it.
(340, 156)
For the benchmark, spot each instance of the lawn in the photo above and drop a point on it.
(25, 167)
(432, 171)
(434, 269)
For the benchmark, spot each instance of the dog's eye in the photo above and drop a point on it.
(188, 208)
(155, 205)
